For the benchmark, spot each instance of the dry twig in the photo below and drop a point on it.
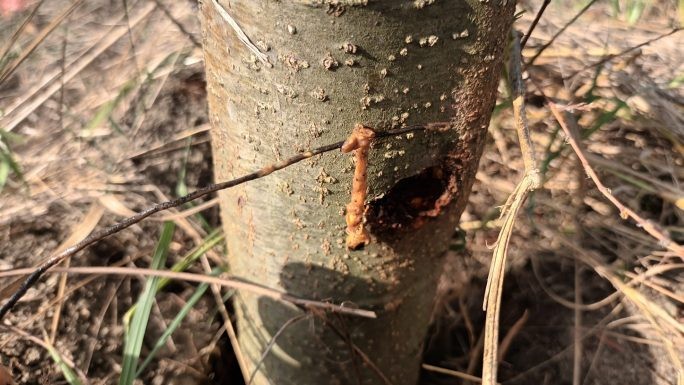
(560, 31)
(531, 181)
(232, 282)
(534, 23)
(32, 278)
(452, 373)
(7, 71)
(272, 342)
(13, 39)
(570, 128)
(622, 53)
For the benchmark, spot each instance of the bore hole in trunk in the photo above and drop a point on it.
(411, 201)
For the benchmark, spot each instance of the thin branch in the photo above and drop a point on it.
(625, 52)
(452, 373)
(569, 126)
(364, 357)
(232, 282)
(513, 332)
(560, 31)
(578, 346)
(531, 181)
(32, 278)
(519, 113)
(534, 23)
(272, 342)
(134, 55)
(178, 24)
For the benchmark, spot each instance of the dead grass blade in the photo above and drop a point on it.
(112, 203)
(15, 115)
(85, 227)
(13, 39)
(649, 309)
(494, 288)
(7, 71)
(70, 371)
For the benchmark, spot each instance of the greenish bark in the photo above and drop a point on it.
(325, 66)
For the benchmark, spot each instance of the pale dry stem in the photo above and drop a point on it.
(568, 125)
(530, 182)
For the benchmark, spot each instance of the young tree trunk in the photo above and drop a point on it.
(294, 74)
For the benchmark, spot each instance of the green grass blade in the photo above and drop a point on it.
(135, 333)
(105, 111)
(214, 238)
(4, 172)
(66, 370)
(635, 11)
(7, 162)
(181, 186)
(201, 289)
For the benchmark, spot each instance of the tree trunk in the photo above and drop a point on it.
(294, 74)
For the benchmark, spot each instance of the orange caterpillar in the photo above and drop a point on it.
(359, 141)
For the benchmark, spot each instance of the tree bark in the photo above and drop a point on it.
(291, 75)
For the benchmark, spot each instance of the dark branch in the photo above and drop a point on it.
(560, 31)
(625, 52)
(32, 278)
(534, 23)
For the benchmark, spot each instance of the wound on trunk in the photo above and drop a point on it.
(412, 201)
(359, 141)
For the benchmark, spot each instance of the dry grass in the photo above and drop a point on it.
(107, 114)
(630, 112)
